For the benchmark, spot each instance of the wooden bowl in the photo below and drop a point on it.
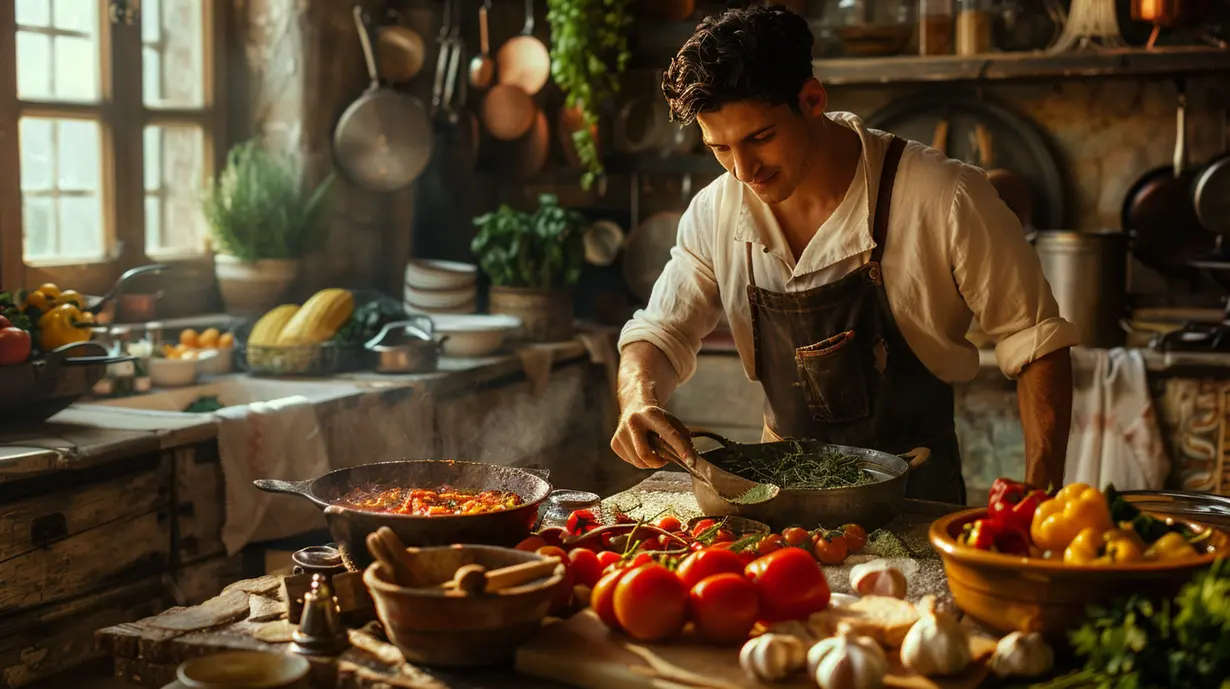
(1007, 593)
(433, 627)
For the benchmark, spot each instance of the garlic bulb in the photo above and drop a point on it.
(772, 657)
(877, 578)
(847, 661)
(936, 644)
(1022, 654)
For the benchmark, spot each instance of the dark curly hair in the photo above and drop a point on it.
(758, 53)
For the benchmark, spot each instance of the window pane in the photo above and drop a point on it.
(180, 158)
(76, 69)
(176, 55)
(35, 142)
(151, 22)
(33, 66)
(76, 15)
(153, 221)
(39, 226)
(61, 192)
(153, 158)
(151, 75)
(33, 12)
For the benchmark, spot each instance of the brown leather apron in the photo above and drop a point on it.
(836, 368)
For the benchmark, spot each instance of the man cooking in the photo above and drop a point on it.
(848, 264)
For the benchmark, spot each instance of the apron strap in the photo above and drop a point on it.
(884, 197)
(751, 274)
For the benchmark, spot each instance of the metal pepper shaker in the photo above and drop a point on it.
(320, 631)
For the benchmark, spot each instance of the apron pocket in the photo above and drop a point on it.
(833, 380)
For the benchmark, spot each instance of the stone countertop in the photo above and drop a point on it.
(86, 435)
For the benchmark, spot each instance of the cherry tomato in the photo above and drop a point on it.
(586, 566)
(640, 559)
(553, 551)
(553, 535)
(563, 595)
(790, 584)
(702, 526)
(581, 521)
(706, 563)
(532, 544)
(670, 523)
(831, 548)
(602, 599)
(856, 537)
(724, 608)
(769, 544)
(607, 558)
(651, 604)
(796, 536)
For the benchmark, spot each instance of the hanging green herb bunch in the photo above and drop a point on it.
(589, 54)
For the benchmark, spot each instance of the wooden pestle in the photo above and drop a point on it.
(475, 579)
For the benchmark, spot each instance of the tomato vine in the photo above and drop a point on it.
(589, 54)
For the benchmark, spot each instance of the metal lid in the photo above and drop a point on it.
(1208, 508)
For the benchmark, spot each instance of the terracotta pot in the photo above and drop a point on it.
(250, 288)
(546, 316)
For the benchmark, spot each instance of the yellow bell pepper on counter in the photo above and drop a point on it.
(56, 329)
(1076, 507)
(1110, 547)
(1171, 546)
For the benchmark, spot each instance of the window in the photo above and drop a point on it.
(115, 126)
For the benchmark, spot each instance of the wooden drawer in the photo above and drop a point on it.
(67, 534)
(199, 503)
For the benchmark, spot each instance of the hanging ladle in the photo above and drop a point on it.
(482, 67)
(729, 487)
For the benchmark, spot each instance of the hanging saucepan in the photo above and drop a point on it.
(383, 140)
(1159, 214)
(399, 50)
(1211, 190)
(523, 60)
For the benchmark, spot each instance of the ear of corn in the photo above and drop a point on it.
(269, 327)
(319, 319)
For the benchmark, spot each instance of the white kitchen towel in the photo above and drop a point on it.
(1115, 437)
(280, 439)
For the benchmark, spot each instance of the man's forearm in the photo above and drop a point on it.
(646, 376)
(1044, 395)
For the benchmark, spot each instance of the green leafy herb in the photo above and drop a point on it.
(801, 469)
(1149, 528)
(369, 317)
(203, 405)
(540, 250)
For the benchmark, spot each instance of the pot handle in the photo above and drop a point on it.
(703, 433)
(916, 457)
(270, 485)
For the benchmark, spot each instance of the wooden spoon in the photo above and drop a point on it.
(388, 549)
(476, 579)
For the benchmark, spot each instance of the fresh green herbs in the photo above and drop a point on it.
(761, 492)
(801, 469)
(205, 404)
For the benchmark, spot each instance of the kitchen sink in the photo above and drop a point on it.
(231, 392)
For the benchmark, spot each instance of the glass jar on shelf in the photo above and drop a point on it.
(974, 27)
(936, 27)
(561, 503)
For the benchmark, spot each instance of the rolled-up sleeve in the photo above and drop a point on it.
(685, 305)
(1000, 277)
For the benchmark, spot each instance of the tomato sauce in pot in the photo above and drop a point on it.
(427, 502)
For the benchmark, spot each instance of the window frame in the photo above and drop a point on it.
(122, 173)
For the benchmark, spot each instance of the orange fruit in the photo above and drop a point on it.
(208, 339)
(226, 341)
(188, 338)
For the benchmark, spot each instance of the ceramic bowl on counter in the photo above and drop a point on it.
(432, 627)
(243, 669)
(452, 300)
(475, 335)
(1007, 593)
(215, 362)
(431, 275)
(172, 373)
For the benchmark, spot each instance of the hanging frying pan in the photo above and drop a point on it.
(383, 140)
(1211, 193)
(523, 61)
(1159, 214)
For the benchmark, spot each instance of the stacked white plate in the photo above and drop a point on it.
(440, 287)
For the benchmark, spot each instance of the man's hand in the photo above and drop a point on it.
(646, 381)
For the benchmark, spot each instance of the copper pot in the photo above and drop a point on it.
(1170, 13)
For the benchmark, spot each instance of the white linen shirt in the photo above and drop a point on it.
(955, 251)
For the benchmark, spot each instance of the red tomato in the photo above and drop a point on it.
(5, 323)
(670, 523)
(702, 526)
(796, 536)
(553, 535)
(651, 603)
(553, 551)
(607, 558)
(640, 559)
(532, 544)
(585, 566)
(563, 595)
(790, 583)
(14, 346)
(581, 521)
(602, 598)
(856, 537)
(706, 563)
(724, 608)
(769, 544)
(831, 548)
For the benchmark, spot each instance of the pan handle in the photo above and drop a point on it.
(365, 40)
(270, 485)
(916, 457)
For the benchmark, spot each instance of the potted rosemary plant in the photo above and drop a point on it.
(262, 222)
(589, 54)
(533, 261)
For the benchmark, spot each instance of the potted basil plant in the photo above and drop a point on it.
(533, 261)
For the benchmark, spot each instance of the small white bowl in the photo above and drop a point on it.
(215, 362)
(172, 373)
(250, 669)
(474, 335)
(440, 275)
(440, 298)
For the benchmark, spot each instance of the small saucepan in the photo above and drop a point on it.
(405, 347)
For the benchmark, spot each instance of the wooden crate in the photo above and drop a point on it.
(199, 499)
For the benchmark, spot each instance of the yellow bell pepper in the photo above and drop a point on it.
(1171, 546)
(38, 300)
(71, 296)
(55, 328)
(50, 290)
(1112, 547)
(1074, 508)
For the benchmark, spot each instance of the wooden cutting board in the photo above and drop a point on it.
(583, 652)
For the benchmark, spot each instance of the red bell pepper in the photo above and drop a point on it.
(995, 536)
(581, 522)
(1014, 503)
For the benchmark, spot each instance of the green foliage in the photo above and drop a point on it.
(258, 208)
(589, 54)
(540, 250)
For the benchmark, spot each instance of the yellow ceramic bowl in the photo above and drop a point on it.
(1007, 593)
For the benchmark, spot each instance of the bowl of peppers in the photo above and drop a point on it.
(1032, 560)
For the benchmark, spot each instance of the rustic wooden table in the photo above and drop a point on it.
(250, 615)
